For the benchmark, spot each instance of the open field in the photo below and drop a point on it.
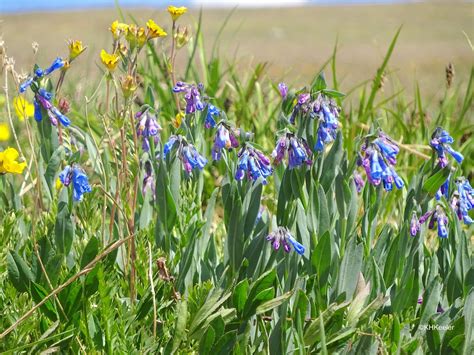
(295, 41)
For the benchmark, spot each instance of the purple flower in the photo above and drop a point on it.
(414, 225)
(441, 142)
(78, 177)
(379, 156)
(359, 181)
(148, 181)
(186, 152)
(283, 90)
(436, 217)
(43, 100)
(295, 148)
(212, 113)
(147, 126)
(254, 164)
(282, 237)
(192, 96)
(225, 138)
(462, 200)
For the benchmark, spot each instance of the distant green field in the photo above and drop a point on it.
(295, 42)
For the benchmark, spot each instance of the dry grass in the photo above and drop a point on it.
(295, 41)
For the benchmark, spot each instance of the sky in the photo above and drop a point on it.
(42, 5)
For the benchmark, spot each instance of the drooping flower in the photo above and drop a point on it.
(253, 164)
(148, 181)
(147, 126)
(109, 60)
(462, 200)
(75, 49)
(378, 156)
(186, 152)
(436, 216)
(225, 138)
(328, 113)
(128, 85)
(9, 163)
(212, 113)
(43, 100)
(414, 225)
(23, 108)
(295, 148)
(192, 96)
(4, 132)
(176, 12)
(182, 36)
(359, 181)
(282, 237)
(154, 31)
(76, 175)
(135, 36)
(283, 89)
(441, 142)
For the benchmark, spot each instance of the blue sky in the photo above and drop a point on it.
(43, 5)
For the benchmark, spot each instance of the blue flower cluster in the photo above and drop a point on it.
(253, 164)
(186, 152)
(77, 176)
(58, 63)
(282, 237)
(296, 148)
(212, 113)
(378, 156)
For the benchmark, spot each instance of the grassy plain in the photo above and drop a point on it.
(294, 41)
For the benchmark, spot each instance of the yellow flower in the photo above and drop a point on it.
(154, 30)
(178, 119)
(23, 108)
(58, 184)
(118, 28)
(8, 163)
(4, 132)
(129, 86)
(176, 12)
(109, 60)
(75, 48)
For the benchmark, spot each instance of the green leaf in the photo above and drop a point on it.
(333, 93)
(39, 293)
(319, 83)
(180, 328)
(64, 229)
(19, 273)
(434, 182)
(350, 267)
(321, 258)
(90, 251)
(239, 296)
(277, 301)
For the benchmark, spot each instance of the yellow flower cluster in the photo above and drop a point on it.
(23, 108)
(4, 132)
(8, 162)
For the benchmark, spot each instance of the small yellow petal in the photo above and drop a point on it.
(8, 163)
(59, 184)
(176, 12)
(109, 60)
(4, 132)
